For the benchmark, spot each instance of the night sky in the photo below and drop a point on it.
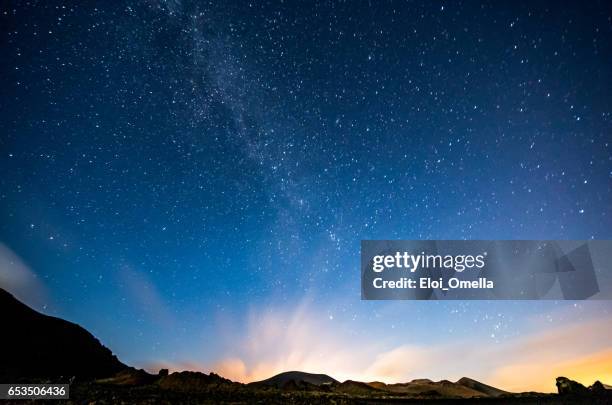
(190, 181)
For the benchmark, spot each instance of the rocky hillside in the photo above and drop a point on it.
(33, 345)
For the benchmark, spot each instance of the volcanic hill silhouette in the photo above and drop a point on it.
(297, 377)
(33, 345)
(463, 388)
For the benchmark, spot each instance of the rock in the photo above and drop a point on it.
(193, 381)
(597, 387)
(565, 386)
(129, 377)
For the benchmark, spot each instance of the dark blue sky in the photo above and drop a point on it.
(169, 169)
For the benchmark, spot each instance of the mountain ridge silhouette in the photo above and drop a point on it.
(35, 347)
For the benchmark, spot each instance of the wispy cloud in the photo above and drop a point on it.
(580, 351)
(304, 339)
(17, 278)
(277, 341)
(145, 295)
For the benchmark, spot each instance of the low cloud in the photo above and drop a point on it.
(580, 351)
(145, 296)
(278, 341)
(17, 278)
(305, 340)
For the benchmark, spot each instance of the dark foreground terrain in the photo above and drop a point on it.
(103, 393)
(37, 348)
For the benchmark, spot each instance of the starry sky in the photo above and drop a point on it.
(190, 180)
